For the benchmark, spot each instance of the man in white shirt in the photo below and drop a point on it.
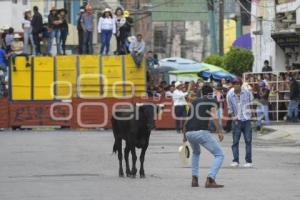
(137, 49)
(179, 103)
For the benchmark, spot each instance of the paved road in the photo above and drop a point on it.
(65, 165)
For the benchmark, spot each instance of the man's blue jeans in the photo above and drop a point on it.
(105, 36)
(88, 42)
(137, 57)
(293, 109)
(205, 139)
(240, 127)
(262, 112)
(54, 34)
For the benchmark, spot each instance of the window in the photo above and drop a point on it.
(25, 2)
(14, 1)
(160, 41)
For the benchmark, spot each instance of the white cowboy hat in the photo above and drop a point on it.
(131, 38)
(27, 10)
(178, 83)
(185, 154)
(5, 27)
(17, 36)
(107, 10)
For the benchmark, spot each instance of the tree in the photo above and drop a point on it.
(238, 61)
(215, 60)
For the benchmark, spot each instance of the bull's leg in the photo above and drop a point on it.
(134, 158)
(120, 156)
(142, 159)
(126, 154)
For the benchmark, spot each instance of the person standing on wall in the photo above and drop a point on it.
(9, 38)
(37, 29)
(87, 24)
(106, 27)
(64, 29)
(54, 27)
(80, 31)
(121, 33)
(28, 37)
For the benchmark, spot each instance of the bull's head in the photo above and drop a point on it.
(149, 112)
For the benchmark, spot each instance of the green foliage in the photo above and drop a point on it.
(215, 60)
(238, 61)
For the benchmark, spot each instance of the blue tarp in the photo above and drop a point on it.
(244, 41)
(217, 75)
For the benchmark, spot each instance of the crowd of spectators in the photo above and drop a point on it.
(272, 94)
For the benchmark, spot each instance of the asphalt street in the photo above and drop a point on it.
(74, 165)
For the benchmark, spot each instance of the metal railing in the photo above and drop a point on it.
(278, 84)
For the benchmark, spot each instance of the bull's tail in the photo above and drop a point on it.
(115, 148)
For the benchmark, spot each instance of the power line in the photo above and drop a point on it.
(257, 17)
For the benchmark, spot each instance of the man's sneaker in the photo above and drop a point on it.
(248, 165)
(234, 164)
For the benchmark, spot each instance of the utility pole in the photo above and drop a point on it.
(221, 27)
(212, 26)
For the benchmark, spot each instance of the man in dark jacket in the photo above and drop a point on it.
(267, 67)
(293, 108)
(37, 27)
(80, 31)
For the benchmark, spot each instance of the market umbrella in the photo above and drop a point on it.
(216, 73)
(185, 75)
(177, 63)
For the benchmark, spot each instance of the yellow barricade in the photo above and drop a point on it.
(43, 78)
(135, 76)
(66, 77)
(112, 76)
(21, 80)
(89, 77)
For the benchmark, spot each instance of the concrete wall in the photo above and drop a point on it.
(263, 45)
(12, 14)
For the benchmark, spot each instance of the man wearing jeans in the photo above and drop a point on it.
(87, 24)
(293, 107)
(238, 101)
(137, 48)
(262, 110)
(198, 134)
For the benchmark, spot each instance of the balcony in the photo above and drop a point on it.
(285, 22)
(287, 5)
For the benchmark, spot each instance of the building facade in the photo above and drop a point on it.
(276, 33)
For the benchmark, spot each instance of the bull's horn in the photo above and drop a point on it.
(139, 104)
(161, 105)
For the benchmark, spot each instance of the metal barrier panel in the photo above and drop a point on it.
(65, 77)
(88, 83)
(43, 76)
(21, 80)
(136, 76)
(111, 68)
(278, 84)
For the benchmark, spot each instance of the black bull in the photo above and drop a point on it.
(133, 125)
